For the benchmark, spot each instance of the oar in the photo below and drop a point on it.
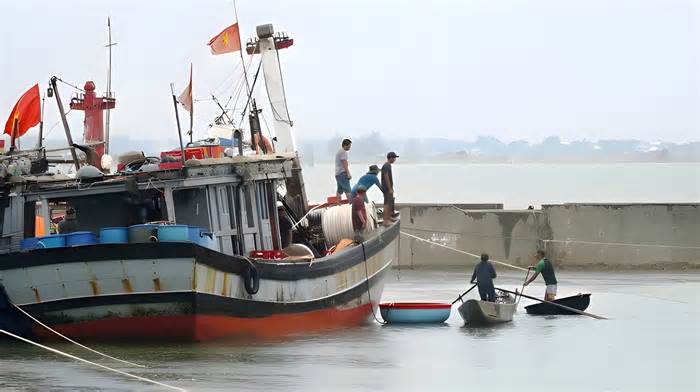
(559, 305)
(527, 275)
(462, 295)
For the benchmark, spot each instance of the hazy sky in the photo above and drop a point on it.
(511, 69)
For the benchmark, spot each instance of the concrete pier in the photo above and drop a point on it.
(620, 236)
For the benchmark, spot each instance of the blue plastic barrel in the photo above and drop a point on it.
(142, 233)
(198, 236)
(173, 233)
(114, 235)
(52, 241)
(29, 243)
(80, 238)
(194, 234)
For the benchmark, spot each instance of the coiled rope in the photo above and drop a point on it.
(337, 222)
(53, 350)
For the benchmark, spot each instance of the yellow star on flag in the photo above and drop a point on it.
(229, 40)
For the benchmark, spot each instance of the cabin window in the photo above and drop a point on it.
(31, 215)
(191, 207)
(93, 212)
(248, 206)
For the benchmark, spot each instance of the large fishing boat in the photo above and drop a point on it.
(192, 245)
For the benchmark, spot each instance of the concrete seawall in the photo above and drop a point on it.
(620, 236)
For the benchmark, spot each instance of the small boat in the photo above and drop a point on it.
(578, 302)
(478, 313)
(415, 312)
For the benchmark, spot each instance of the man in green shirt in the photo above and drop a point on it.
(545, 267)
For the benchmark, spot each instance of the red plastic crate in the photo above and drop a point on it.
(267, 254)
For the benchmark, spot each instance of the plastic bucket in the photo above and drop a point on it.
(80, 238)
(29, 243)
(173, 233)
(197, 236)
(194, 234)
(52, 241)
(114, 235)
(142, 233)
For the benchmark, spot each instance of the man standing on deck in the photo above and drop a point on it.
(388, 188)
(484, 274)
(359, 214)
(342, 170)
(367, 181)
(545, 267)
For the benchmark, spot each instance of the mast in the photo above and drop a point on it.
(66, 128)
(192, 108)
(40, 142)
(109, 81)
(177, 119)
(245, 73)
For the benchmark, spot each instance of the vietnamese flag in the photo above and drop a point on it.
(26, 113)
(226, 41)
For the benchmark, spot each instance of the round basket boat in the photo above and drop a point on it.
(415, 312)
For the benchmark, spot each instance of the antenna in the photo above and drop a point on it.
(109, 81)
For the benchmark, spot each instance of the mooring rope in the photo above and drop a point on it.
(463, 252)
(53, 350)
(74, 342)
(369, 295)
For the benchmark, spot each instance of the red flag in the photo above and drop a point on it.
(185, 98)
(26, 113)
(226, 41)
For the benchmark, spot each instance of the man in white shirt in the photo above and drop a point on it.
(342, 170)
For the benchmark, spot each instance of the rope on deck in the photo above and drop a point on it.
(463, 252)
(53, 350)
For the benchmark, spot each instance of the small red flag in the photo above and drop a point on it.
(26, 113)
(226, 41)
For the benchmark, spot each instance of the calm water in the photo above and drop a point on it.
(520, 185)
(651, 343)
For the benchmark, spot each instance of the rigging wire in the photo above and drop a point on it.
(69, 84)
(46, 135)
(250, 96)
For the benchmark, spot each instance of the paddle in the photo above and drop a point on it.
(559, 305)
(462, 295)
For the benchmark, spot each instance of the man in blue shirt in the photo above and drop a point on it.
(367, 181)
(483, 276)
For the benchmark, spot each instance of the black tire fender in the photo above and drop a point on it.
(251, 279)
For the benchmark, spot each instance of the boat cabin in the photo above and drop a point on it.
(233, 200)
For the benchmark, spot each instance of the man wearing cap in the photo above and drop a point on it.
(359, 214)
(367, 181)
(342, 170)
(388, 188)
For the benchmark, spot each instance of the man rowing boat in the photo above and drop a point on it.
(545, 267)
(483, 276)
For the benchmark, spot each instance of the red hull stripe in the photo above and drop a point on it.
(210, 327)
(414, 305)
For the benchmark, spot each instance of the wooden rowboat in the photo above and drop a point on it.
(415, 312)
(578, 302)
(478, 313)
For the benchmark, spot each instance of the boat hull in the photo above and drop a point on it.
(184, 292)
(415, 313)
(478, 313)
(578, 302)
